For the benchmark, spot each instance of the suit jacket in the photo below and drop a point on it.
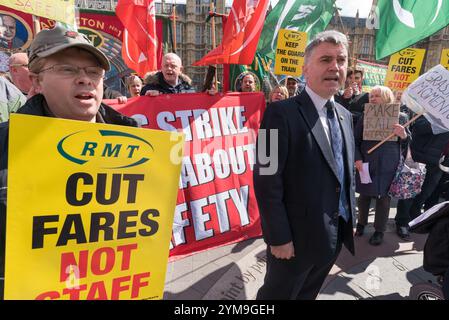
(299, 202)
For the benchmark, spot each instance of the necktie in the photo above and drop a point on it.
(337, 148)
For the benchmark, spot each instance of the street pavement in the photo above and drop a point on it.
(235, 272)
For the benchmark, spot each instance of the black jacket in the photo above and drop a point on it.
(156, 82)
(35, 106)
(299, 201)
(436, 249)
(425, 146)
(355, 104)
(109, 93)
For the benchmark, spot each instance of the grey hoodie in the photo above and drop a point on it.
(11, 99)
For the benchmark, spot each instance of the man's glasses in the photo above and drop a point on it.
(16, 65)
(70, 71)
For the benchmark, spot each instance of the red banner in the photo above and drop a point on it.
(241, 34)
(140, 42)
(216, 203)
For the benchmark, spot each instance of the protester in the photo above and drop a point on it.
(109, 93)
(169, 80)
(11, 99)
(279, 93)
(248, 83)
(382, 164)
(355, 80)
(20, 74)
(345, 95)
(292, 85)
(352, 97)
(6, 76)
(4, 62)
(402, 217)
(133, 85)
(359, 98)
(67, 72)
(305, 195)
(440, 192)
(426, 147)
(397, 96)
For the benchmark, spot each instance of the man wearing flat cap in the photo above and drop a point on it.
(67, 73)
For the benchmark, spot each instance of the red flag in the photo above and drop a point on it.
(140, 43)
(241, 34)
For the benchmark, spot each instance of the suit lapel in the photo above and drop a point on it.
(310, 114)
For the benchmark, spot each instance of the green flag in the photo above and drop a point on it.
(311, 16)
(404, 22)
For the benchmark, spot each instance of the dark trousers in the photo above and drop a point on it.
(296, 280)
(403, 212)
(381, 213)
(440, 191)
(433, 176)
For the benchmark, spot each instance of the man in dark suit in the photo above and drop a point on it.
(305, 187)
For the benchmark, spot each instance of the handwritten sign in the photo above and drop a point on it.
(378, 121)
(431, 91)
(290, 52)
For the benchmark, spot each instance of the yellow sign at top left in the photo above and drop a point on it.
(59, 10)
(290, 52)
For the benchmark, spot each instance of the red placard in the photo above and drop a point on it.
(216, 203)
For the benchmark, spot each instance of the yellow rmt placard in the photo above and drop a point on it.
(59, 10)
(444, 61)
(404, 68)
(90, 209)
(290, 52)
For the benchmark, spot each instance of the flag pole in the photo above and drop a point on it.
(212, 9)
(174, 27)
(359, 43)
(392, 135)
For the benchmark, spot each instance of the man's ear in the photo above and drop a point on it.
(36, 81)
(182, 69)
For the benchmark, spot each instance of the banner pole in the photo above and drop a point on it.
(212, 9)
(174, 28)
(36, 24)
(391, 135)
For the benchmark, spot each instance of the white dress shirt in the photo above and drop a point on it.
(319, 104)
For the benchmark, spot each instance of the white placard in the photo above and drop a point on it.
(431, 91)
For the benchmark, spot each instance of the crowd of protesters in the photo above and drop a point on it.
(45, 76)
